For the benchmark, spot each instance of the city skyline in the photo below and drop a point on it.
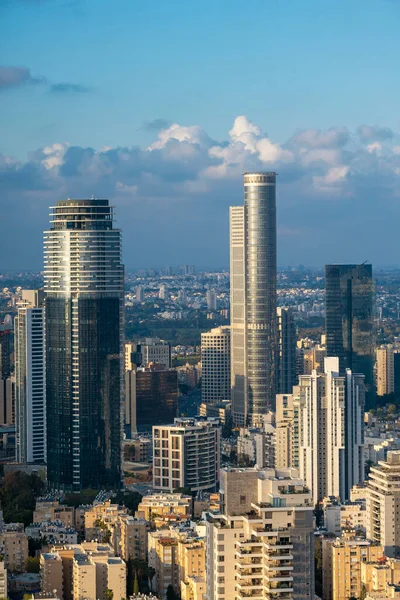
(179, 129)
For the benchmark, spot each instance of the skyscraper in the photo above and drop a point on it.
(349, 297)
(253, 299)
(30, 379)
(385, 370)
(215, 365)
(84, 285)
(286, 351)
(331, 431)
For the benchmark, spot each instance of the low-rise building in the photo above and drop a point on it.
(50, 509)
(14, 549)
(163, 557)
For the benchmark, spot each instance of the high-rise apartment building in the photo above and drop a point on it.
(139, 293)
(216, 365)
(383, 504)
(187, 454)
(30, 379)
(84, 285)
(350, 335)
(385, 370)
(5, 349)
(253, 299)
(287, 430)
(286, 360)
(262, 545)
(331, 431)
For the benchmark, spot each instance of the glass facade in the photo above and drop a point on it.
(260, 282)
(156, 398)
(350, 322)
(84, 284)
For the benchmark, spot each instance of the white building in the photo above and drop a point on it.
(331, 431)
(216, 365)
(262, 546)
(211, 298)
(139, 293)
(30, 379)
(187, 454)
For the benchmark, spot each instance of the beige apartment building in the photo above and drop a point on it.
(193, 588)
(385, 370)
(191, 558)
(383, 504)
(163, 557)
(14, 549)
(51, 510)
(3, 581)
(262, 545)
(83, 572)
(287, 430)
(132, 537)
(348, 554)
(376, 575)
(161, 509)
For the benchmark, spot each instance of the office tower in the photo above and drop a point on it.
(216, 365)
(350, 335)
(211, 299)
(253, 299)
(383, 504)
(385, 370)
(286, 351)
(187, 454)
(262, 546)
(5, 349)
(30, 378)
(139, 293)
(84, 285)
(331, 431)
(154, 350)
(151, 398)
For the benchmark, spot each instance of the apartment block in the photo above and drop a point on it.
(14, 549)
(384, 370)
(187, 454)
(265, 547)
(133, 537)
(163, 557)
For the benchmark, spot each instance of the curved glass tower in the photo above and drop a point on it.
(84, 285)
(253, 299)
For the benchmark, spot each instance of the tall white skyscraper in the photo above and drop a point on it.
(331, 431)
(211, 298)
(216, 365)
(253, 299)
(30, 379)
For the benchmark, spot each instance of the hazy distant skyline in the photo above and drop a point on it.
(161, 106)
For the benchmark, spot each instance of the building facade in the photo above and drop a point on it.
(186, 455)
(331, 431)
(253, 299)
(84, 285)
(286, 360)
(385, 370)
(216, 365)
(30, 379)
(350, 330)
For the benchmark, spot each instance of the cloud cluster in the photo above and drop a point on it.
(333, 186)
(15, 77)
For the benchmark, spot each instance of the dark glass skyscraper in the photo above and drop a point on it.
(350, 329)
(253, 299)
(84, 285)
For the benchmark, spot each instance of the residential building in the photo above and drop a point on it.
(383, 504)
(133, 537)
(331, 422)
(211, 299)
(163, 557)
(286, 360)
(49, 509)
(385, 370)
(139, 294)
(350, 331)
(14, 548)
(220, 410)
(161, 509)
(30, 379)
(348, 554)
(84, 285)
(287, 430)
(254, 336)
(216, 365)
(186, 454)
(3, 581)
(265, 546)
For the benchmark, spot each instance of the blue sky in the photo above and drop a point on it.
(115, 74)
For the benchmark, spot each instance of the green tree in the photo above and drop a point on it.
(108, 594)
(136, 585)
(33, 564)
(363, 593)
(150, 573)
(18, 496)
(392, 409)
(129, 499)
(75, 499)
(171, 594)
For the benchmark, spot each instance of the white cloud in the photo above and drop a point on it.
(54, 155)
(334, 177)
(193, 135)
(317, 138)
(374, 147)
